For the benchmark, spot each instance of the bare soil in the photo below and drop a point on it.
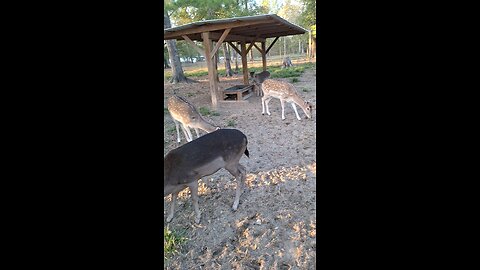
(275, 224)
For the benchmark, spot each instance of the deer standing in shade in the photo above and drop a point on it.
(258, 79)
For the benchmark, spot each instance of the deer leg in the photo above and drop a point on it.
(295, 109)
(172, 206)
(194, 189)
(184, 132)
(282, 102)
(188, 134)
(266, 104)
(239, 172)
(178, 131)
(263, 105)
(196, 131)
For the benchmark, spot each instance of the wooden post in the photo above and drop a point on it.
(244, 62)
(264, 56)
(211, 68)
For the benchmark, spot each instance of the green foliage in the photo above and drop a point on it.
(287, 72)
(171, 129)
(187, 11)
(294, 80)
(231, 123)
(165, 111)
(309, 14)
(186, 51)
(198, 73)
(172, 241)
(306, 90)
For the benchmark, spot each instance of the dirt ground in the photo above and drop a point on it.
(275, 224)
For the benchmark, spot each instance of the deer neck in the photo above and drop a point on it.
(299, 101)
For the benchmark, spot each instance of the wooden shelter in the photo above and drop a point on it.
(243, 30)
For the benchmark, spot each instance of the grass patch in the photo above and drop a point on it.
(197, 73)
(165, 111)
(294, 80)
(206, 111)
(172, 241)
(275, 71)
(231, 123)
(171, 129)
(305, 90)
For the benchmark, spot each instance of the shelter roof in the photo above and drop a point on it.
(248, 28)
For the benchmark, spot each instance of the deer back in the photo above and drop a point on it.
(204, 156)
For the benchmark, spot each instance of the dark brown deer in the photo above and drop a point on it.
(184, 112)
(185, 165)
(258, 79)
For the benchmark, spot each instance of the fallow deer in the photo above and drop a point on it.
(286, 93)
(184, 112)
(258, 79)
(185, 165)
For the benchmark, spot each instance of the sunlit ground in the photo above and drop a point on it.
(264, 178)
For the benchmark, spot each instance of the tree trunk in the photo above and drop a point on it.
(236, 60)
(309, 51)
(228, 67)
(216, 60)
(177, 70)
(314, 47)
(165, 63)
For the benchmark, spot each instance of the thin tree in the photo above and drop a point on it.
(228, 67)
(177, 70)
(165, 57)
(236, 60)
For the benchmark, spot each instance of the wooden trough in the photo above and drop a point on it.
(238, 92)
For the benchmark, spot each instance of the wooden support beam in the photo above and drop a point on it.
(232, 37)
(252, 42)
(269, 47)
(220, 41)
(212, 78)
(250, 46)
(264, 57)
(198, 49)
(244, 62)
(260, 50)
(234, 47)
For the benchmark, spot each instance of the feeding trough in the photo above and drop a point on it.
(238, 92)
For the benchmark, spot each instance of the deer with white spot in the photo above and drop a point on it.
(286, 93)
(183, 111)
